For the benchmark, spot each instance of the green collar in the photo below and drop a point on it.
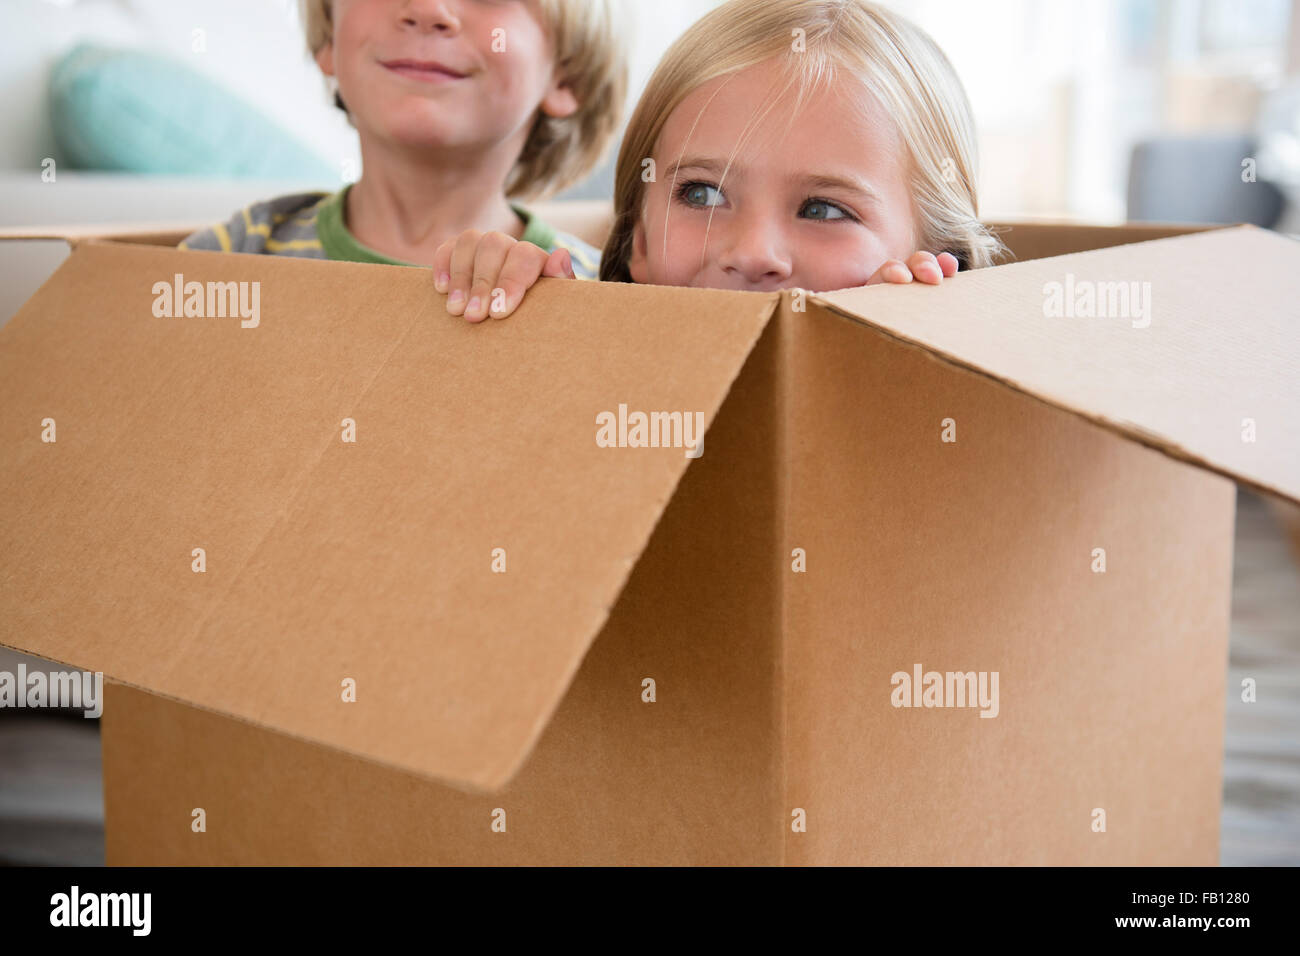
(341, 245)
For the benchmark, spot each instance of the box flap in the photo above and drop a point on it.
(328, 561)
(1190, 345)
(145, 233)
(1038, 239)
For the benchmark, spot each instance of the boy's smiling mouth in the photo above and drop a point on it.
(426, 71)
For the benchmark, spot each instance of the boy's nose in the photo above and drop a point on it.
(430, 16)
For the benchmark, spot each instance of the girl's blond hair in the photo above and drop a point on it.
(893, 59)
(590, 54)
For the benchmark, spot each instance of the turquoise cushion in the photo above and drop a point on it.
(139, 112)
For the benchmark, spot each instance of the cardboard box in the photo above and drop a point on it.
(672, 659)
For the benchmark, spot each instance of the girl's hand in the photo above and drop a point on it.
(488, 273)
(922, 266)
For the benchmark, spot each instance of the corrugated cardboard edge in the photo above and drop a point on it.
(785, 331)
(1123, 429)
(145, 233)
(493, 782)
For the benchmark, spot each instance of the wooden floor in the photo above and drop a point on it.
(51, 808)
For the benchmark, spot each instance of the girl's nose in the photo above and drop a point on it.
(754, 253)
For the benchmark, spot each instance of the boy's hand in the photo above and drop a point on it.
(488, 273)
(922, 266)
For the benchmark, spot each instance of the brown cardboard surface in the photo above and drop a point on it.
(976, 555)
(1221, 345)
(373, 560)
(773, 686)
(326, 560)
(692, 778)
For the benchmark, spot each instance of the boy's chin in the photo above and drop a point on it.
(428, 132)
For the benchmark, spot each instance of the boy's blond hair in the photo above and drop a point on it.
(888, 56)
(590, 53)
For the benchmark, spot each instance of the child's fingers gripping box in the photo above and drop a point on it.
(650, 575)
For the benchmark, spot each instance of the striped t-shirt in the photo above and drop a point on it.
(312, 226)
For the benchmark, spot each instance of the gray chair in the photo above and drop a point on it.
(1198, 179)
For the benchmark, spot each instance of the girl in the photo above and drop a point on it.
(779, 144)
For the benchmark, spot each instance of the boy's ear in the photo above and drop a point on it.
(559, 101)
(325, 58)
(636, 262)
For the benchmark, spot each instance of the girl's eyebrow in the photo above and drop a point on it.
(705, 164)
(849, 184)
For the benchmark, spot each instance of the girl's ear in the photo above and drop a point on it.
(325, 58)
(636, 263)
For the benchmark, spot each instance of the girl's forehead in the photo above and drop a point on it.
(758, 113)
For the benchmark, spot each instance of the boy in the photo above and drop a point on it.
(458, 104)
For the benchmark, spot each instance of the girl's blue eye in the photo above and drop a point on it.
(820, 209)
(701, 194)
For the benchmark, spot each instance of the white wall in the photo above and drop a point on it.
(252, 46)
(255, 47)
(1061, 88)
